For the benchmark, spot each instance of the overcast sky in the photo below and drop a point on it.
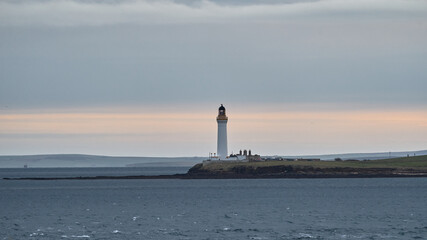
(190, 56)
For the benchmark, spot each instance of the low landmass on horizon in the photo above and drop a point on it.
(415, 166)
(81, 160)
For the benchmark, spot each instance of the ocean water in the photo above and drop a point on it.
(377, 208)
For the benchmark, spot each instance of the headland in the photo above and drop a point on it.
(415, 166)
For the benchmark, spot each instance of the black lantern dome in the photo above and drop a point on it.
(221, 110)
(221, 113)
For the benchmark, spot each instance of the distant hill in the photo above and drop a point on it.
(80, 160)
(362, 156)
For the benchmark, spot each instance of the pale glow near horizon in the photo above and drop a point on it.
(194, 134)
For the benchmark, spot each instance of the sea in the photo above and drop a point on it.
(351, 208)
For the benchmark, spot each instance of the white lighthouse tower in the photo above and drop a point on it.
(222, 120)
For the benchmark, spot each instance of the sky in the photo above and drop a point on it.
(145, 78)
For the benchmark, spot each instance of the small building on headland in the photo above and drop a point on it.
(245, 155)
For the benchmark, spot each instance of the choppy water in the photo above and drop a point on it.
(392, 208)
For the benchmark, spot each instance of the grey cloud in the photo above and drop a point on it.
(305, 60)
(94, 13)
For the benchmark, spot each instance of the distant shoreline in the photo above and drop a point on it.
(189, 177)
(388, 168)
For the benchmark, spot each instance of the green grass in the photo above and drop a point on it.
(417, 162)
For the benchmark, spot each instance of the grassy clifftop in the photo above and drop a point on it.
(405, 162)
(388, 167)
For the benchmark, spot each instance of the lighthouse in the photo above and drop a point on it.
(222, 120)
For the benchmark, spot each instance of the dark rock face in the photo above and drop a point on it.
(196, 169)
(287, 171)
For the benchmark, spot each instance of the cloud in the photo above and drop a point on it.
(94, 13)
(355, 52)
